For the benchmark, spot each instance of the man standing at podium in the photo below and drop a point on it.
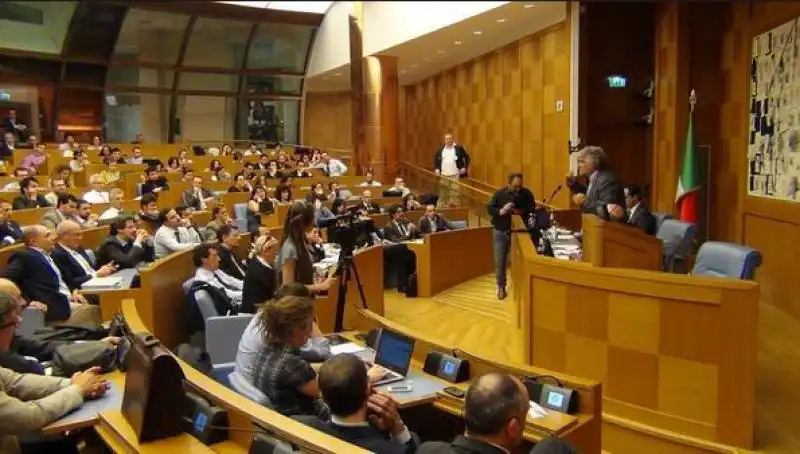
(513, 199)
(603, 196)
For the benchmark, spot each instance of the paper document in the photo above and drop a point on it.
(346, 348)
(536, 411)
(105, 282)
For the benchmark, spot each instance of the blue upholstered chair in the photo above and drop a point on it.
(458, 225)
(729, 260)
(223, 334)
(32, 320)
(660, 218)
(240, 216)
(677, 237)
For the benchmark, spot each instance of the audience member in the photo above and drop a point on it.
(13, 125)
(39, 278)
(410, 202)
(155, 183)
(66, 207)
(338, 192)
(332, 167)
(637, 212)
(367, 207)
(400, 228)
(280, 372)
(72, 260)
(96, 194)
(62, 172)
(115, 197)
(260, 277)
(69, 143)
(360, 415)
(136, 156)
(127, 247)
(35, 158)
(148, 208)
(110, 174)
(495, 411)
(433, 222)
(78, 161)
(240, 184)
(57, 186)
(219, 217)
(400, 186)
(19, 174)
(168, 237)
(283, 194)
(31, 143)
(29, 197)
(369, 181)
(84, 215)
(321, 212)
(206, 259)
(10, 231)
(294, 259)
(228, 238)
(8, 146)
(189, 228)
(115, 157)
(197, 196)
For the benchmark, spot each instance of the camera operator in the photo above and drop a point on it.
(513, 199)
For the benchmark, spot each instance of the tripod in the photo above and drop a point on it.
(347, 269)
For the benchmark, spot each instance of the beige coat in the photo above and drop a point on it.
(28, 402)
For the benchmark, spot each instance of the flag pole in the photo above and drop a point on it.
(692, 101)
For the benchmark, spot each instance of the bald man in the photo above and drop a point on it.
(39, 278)
(75, 264)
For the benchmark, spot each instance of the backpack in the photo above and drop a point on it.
(76, 357)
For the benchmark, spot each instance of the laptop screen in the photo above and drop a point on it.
(394, 351)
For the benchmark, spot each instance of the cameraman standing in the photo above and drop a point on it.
(513, 199)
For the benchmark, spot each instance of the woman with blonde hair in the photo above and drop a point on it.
(260, 277)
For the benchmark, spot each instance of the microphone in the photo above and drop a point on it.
(553, 195)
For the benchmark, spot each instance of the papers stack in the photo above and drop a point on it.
(103, 282)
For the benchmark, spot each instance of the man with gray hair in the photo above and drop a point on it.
(603, 196)
(77, 267)
(96, 194)
(39, 278)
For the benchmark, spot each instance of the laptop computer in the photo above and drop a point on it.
(393, 353)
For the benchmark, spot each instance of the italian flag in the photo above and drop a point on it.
(688, 182)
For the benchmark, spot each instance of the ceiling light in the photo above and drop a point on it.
(477, 32)
(529, 5)
(500, 21)
(457, 43)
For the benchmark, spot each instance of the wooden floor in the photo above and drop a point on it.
(470, 316)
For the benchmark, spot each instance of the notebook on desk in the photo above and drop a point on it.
(103, 282)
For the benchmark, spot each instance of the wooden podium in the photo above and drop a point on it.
(617, 245)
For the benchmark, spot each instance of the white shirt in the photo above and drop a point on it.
(135, 160)
(110, 213)
(449, 167)
(217, 278)
(62, 286)
(87, 267)
(11, 187)
(372, 183)
(633, 210)
(95, 196)
(403, 191)
(68, 153)
(402, 438)
(165, 243)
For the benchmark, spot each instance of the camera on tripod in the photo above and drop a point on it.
(348, 231)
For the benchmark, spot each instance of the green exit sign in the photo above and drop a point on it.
(617, 82)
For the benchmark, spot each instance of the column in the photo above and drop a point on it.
(380, 116)
(671, 102)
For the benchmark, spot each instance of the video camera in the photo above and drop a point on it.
(348, 230)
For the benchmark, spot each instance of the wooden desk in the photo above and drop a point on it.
(448, 258)
(117, 378)
(618, 245)
(675, 353)
(118, 435)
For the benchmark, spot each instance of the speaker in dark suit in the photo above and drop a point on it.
(604, 190)
(637, 212)
(39, 281)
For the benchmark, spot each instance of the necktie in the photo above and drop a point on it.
(178, 236)
(433, 225)
(221, 281)
(402, 229)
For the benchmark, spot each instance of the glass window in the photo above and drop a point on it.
(268, 120)
(127, 114)
(35, 26)
(217, 43)
(205, 118)
(284, 85)
(209, 82)
(280, 46)
(150, 36)
(131, 76)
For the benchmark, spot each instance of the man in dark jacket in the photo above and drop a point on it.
(127, 248)
(359, 415)
(228, 237)
(451, 159)
(603, 197)
(637, 212)
(10, 231)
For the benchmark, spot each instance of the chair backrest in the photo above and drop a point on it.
(223, 335)
(247, 389)
(204, 301)
(660, 218)
(32, 319)
(677, 237)
(730, 260)
(240, 211)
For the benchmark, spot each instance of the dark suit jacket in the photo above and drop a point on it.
(441, 224)
(644, 219)
(461, 445)
(371, 209)
(5, 152)
(226, 259)
(124, 256)
(368, 437)
(37, 281)
(190, 199)
(260, 283)
(149, 185)
(10, 229)
(71, 271)
(392, 233)
(462, 158)
(23, 203)
(604, 190)
(15, 357)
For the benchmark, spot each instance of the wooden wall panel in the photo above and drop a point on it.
(502, 107)
(326, 120)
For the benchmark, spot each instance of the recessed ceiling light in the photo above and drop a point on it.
(528, 6)
(457, 43)
(477, 32)
(500, 21)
